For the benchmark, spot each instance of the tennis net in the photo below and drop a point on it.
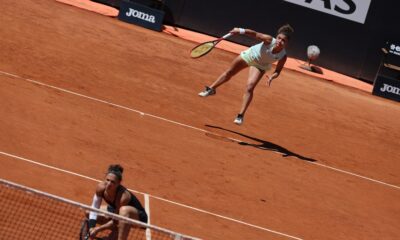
(27, 213)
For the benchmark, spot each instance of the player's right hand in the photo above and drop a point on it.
(93, 232)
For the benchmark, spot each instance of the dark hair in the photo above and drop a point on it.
(117, 170)
(286, 30)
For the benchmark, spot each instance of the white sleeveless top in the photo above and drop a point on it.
(263, 53)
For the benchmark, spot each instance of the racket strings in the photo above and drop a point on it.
(202, 49)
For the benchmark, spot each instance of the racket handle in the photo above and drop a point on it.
(226, 35)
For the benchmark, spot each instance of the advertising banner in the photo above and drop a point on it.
(354, 10)
(141, 15)
(387, 87)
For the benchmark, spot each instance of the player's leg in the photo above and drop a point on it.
(123, 228)
(255, 75)
(237, 65)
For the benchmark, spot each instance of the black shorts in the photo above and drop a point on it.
(142, 214)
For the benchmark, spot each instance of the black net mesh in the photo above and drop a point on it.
(30, 214)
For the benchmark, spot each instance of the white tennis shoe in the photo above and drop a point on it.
(207, 92)
(239, 119)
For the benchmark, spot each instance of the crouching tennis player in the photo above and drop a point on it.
(119, 201)
(259, 59)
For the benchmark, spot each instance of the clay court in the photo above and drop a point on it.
(79, 91)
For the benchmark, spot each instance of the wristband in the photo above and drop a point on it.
(92, 223)
(242, 31)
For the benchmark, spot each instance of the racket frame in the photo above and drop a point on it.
(214, 43)
(84, 231)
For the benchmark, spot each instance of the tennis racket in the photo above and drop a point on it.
(84, 233)
(204, 48)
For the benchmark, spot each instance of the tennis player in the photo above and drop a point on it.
(259, 59)
(119, 201)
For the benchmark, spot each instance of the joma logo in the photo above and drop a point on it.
(141, 15)
(391, 89)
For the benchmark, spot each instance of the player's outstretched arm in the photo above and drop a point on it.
(251, 33)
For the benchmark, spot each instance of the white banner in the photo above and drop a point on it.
(355, 10)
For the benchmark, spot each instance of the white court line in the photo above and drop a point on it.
(149, 195)
(103, 101)
(147, 208)
(184, 125)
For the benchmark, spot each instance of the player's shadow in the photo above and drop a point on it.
(265, 145)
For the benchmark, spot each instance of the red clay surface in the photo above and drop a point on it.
(87, 53)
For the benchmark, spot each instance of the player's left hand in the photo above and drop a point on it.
(269, 81)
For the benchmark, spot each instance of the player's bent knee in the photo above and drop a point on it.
(129, 211)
